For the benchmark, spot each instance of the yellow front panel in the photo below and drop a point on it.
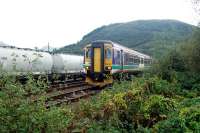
(108, 62)
(97, 60)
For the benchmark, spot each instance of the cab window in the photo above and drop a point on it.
(88, 53)
(108, 53)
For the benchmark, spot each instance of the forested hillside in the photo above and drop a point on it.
(153, 37)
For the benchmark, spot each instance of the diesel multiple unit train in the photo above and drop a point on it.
(19, 61)
(106, 60)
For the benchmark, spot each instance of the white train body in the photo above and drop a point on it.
(21, 61)
(63, 63)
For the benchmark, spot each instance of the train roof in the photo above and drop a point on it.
(123, 47)
(26, 49)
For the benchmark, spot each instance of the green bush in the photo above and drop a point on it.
(156, 85)
(187, 102)
(186, 120)
(157, 107)
(188, 79)
(21, 112)
(174, 125)
(191, 117)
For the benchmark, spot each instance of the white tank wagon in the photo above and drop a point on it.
(68, 66)
(63, 63)
(21, 61)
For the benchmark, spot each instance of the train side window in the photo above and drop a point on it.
(118, 54)
(146, 61)
(150, 61)
(126, 59)
(142, 61)
(88, 53)
(108, 53)
(117, 57)
(125, 62)
(136, 60)
(130, 61)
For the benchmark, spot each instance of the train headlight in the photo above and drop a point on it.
(108, 68)
(87, 68)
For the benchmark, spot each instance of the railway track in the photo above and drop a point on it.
(69, 91)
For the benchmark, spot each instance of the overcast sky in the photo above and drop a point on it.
(30, 23)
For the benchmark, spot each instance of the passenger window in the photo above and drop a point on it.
(146, 61)
(130, 61)
(136, 60)
(118, 54)
(88, 53)
(108, 53)
(142, 61)
(116, 58)
(126, 58)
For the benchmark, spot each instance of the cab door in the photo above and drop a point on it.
(97, 60)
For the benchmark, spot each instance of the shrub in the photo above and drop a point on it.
(188, 79)
(173, 124)
(190, 102)
(186, 120)
(156, 85)
(19, 112)
(157, 107)
(119, 101)
(191, 117)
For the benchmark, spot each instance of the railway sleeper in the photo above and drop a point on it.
(67, 100)
(65, 86)
(67, 92)
(65, 81)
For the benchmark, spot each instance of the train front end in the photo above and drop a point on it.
(98, 63)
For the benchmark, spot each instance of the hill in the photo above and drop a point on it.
(153, 37)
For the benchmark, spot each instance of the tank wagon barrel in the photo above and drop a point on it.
(67, 66)
(19, 61)
(63, 63)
